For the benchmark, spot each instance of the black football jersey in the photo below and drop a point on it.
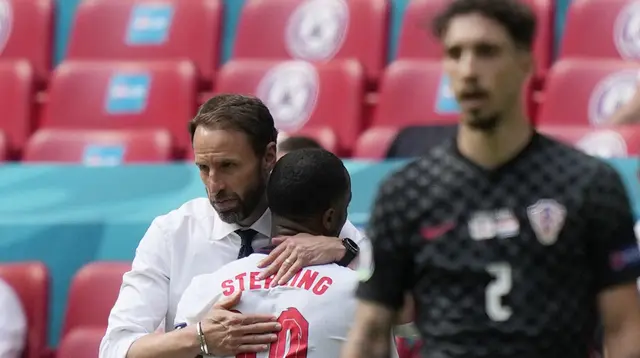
(505, 262)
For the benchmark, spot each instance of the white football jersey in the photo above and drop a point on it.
(316, 308)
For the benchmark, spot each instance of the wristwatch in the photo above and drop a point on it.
(350, 254)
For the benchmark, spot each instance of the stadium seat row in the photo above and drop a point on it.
(97, 283)
(137, 111)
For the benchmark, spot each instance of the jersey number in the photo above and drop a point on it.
(496, 289)
(296, 328)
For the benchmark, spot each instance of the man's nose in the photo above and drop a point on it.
(467, 66)
(214, 183)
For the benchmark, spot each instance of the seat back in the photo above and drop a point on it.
(301, 96)
(123, 95)
(374, 143)
(149, 30)
(605, 142)
(16, 103)
(31, 282)
(99, 147)
(81, 343)
(26, 33)
(417, 42)
(597, 89)
(611, 29)
(97, 283)
(315, 30)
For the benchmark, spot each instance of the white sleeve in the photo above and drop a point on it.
(13, 323)
(196, 301)
(364, 260)
(144, 296)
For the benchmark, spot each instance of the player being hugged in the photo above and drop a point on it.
(511, 242)
(308, 191)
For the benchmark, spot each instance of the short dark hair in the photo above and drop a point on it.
(246, 114)
(306, 182)
(516, 17)
(298, 142)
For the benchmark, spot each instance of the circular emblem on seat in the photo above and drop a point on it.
(317, 29)
(290, 91)
(610, 94)
(6, 23)
(626, 31)
(604, 144)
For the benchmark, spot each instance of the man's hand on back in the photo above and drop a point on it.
(294, 253)
(229, 333)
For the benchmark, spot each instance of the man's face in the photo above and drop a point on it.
(485, 68)
(234, 176)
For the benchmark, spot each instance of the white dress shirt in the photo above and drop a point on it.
(177, 247)
(13, 323)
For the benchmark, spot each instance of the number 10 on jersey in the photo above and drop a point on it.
(294, 326)
(499, 287)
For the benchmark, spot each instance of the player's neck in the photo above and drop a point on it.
(285, 227)
(490, 149)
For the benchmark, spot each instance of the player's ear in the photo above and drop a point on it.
(270, 157)
(328, 219)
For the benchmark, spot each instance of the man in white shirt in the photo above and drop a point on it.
(309, 191)
(13, 323)
(234, 142)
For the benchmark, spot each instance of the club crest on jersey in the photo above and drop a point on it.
(547, 218)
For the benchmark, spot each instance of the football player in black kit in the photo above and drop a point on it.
(510, 243)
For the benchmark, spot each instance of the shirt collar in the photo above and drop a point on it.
(222, 229)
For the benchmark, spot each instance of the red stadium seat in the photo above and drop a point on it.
(3, 148)
(30, 280)
(587, 91)
(123, 95)
(622, 141)
(315, 30)
(99, 147)
(16, 99)
(416, 41)
(374, 143)
(26, 33)
(325, 136)
(601, 29)
(302, 96)
(93, 293)
(414, 92)
(149, 30)
(81, 343)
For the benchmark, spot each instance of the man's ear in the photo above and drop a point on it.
(270, 156)
(328, 219)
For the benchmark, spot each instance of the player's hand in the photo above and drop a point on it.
(230, 333)
(294, 253)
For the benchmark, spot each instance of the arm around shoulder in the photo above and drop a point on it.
(143, 300)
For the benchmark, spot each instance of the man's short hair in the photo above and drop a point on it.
(305, 183)
(297, 142)
(246, 114)
(516, 17)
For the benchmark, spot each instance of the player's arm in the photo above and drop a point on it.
(616, 259)
(382, 294)
(142, 305)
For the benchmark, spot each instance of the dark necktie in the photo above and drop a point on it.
(246, 235)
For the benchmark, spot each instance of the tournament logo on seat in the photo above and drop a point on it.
(6, 23)
(317, 29)
(626, 31)
(603, 144)
(290, 91)
(610, 94)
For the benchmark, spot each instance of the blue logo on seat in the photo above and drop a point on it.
(446, 102)
(103, 155)
(149, 24)
(127, 93)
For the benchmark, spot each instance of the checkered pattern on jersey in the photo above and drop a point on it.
(478, 251)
